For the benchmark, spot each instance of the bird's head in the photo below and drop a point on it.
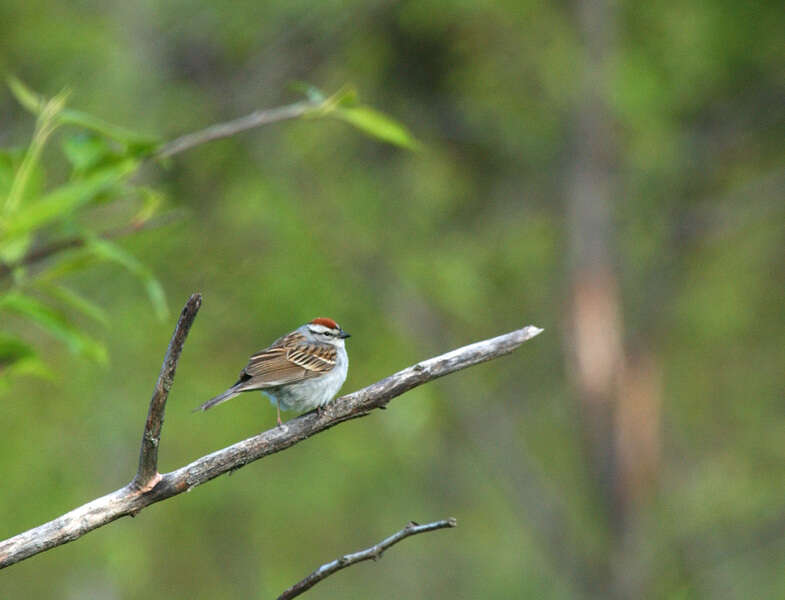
(327, 331)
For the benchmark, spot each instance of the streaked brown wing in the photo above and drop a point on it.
(318, 358)
(288, 360)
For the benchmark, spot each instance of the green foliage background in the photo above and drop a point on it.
(414, 253)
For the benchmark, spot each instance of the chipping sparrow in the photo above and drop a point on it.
(300, 371)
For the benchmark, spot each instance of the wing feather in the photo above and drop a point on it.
(312, 357)
(289, 359)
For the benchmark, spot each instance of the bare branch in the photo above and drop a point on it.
(176, 146)
(230, 128)
(129, 500)
(374, 552)
(147, 475)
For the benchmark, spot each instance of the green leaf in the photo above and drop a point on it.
(143, 147)
(346, 97)
(313, 93)
(135, 141)
(152, 200)
(18, 358)
(54, 323)
(9, 163)
(64, 200)
(76, 301)
(112, 252)
(45, 125)
(12, 251)
(25, 96)
(75, 260)
(31, 365)
(85, 150)
(377, 124)
(13, 349)
(35, 103)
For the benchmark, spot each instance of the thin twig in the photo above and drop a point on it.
(147, 475)
(374, 552)
(230, 128)
(176, 146)
(129, 501)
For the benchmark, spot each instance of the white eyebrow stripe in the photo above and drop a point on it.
(319, 328)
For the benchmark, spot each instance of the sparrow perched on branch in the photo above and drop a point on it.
(300, 371)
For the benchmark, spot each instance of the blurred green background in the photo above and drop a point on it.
(612, 172)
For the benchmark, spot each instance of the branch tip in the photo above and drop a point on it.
(374, 553)
(230, 128)
(137, 495)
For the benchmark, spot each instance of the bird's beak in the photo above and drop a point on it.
(343, 335)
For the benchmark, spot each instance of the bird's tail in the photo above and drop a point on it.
(227, 395)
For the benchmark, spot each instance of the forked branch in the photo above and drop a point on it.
(374, 552)
(147, 475)
(149, 487)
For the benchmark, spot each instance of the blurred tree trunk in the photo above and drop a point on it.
(619, 401)
(595, 325)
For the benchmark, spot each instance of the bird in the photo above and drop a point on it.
(301, 370)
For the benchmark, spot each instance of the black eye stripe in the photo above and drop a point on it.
(327, 333)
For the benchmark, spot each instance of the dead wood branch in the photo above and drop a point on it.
(374, 552)
(149, 487)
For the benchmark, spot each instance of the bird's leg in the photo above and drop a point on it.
(278, 408)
